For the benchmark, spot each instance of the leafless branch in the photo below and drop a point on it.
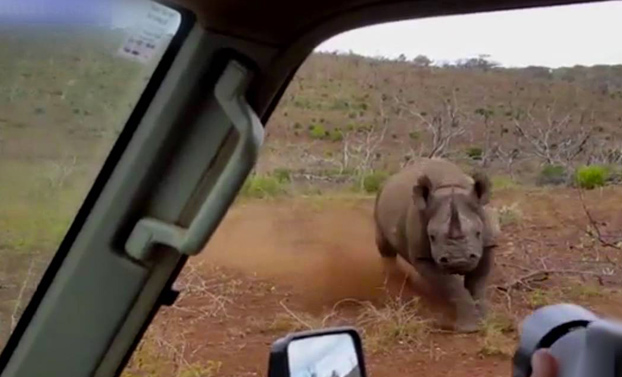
(551, 137)
(361, 143)
(540, 275)
(296, 317)
(524, 281)
(508, 157)
(597, 233)
(443, 125)
(192, 284)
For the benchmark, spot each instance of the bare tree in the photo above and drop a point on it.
(486, 115)
(604, 152)
(443, 125)
(508, 157)
(554, 138)
(361, 142)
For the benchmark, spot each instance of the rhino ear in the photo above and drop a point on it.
(421, 192)
(481, 187)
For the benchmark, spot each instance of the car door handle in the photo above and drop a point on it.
(229, 92)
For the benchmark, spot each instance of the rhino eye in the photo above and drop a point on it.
(432, 237)
(478, 234)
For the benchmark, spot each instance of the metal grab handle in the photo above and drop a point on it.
(229, 92)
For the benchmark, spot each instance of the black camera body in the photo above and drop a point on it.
(583, 344)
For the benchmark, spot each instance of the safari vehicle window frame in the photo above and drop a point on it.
(187, 22)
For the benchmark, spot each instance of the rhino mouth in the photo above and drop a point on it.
(459, 268)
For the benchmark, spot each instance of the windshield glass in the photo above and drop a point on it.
(71, 76)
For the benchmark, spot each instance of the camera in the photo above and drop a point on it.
(583, 343)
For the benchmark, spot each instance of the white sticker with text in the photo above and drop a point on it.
(156, 29)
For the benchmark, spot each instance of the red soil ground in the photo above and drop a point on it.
(275, 266)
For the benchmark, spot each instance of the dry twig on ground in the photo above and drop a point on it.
(536, 276)
(597, 234)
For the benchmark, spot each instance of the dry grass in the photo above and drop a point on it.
(509, 214)
(498, 335)
(395, 323)
(384, 326)
(205, 291)
(584, 291)
(158, 355)
(539, 297)
(285, 323)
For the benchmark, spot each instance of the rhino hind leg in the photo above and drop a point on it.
(394, 277)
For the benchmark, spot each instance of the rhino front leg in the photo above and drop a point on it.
(452, 288)
(476, 281)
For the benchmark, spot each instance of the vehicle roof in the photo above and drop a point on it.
(281, 22)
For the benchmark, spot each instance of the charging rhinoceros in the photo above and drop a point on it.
(434, 216)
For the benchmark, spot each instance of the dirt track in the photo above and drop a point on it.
(279, 266)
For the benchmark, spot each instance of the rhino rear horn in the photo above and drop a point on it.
(421, 192)
(481, 187)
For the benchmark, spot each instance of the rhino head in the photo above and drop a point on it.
(454, 222)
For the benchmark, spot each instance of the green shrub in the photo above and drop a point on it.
(590, 177)
(262, 186)
(414, 135)
(340, 104)
(372, 182)
(317, 132)
(475, 153)
(336, 135)
(502, 183)
(552, 175)
(282, 175)
(303, 103)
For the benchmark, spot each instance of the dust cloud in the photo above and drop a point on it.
(324, 250)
